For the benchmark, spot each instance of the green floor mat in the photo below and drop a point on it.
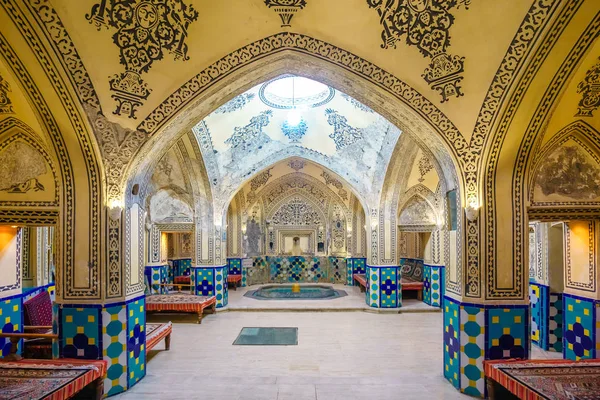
(267, 337)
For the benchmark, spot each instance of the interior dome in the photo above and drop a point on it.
(289, 91)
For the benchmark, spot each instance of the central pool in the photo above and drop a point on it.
(284, 292)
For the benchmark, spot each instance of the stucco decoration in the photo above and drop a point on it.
(21, 169)
(145, 31)
(589, 89)
(425, 24)
(5, 102)
(169, 173)
(236, 104)
(166, 206)
(569, 173)
(296, 212)
(353, 144)
(417, 211)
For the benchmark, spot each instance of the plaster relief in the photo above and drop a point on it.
(167, 206)
(21, 169)
(417, 212)
(569, 173)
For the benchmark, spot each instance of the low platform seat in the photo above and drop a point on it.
(157, 332)
(37, 314)
(182, 280)
(181, 302)
(543, 379)
(52, 379)
(236, 280)
(361, 280)
(409, 284)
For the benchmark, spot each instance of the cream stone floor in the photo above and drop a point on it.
(340, 355)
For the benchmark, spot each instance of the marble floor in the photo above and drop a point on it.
(354, 301)
(341, 355)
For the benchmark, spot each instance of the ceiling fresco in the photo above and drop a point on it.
(294, 116)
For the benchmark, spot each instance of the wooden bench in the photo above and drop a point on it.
(361, 280)
(156, 332)
(181, 302)
(409, 284)
(235, 280)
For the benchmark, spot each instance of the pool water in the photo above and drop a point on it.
(284, 292)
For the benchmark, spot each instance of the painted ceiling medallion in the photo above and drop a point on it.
(145, 30)
(5, 103)
(589, 88)
(296, 164)
(286, 9)
(288, 91)
(294, 132)
(343, 134)
(426, 25)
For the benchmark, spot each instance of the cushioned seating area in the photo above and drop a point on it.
(235, 280)
(182, 280)
(38, 312)
(181, 302)
(156, 332)
(52, 379)
(409, 284)
(542, 379)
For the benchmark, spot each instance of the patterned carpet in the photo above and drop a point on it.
(36, 382)
(557, 379)
(176, 299)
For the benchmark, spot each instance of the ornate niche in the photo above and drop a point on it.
(417, 215)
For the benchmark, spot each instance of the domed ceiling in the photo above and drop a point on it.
(295, 116)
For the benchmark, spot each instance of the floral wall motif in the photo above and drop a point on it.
(589, 89)
(417, 212)
(5, 102)
(425, 24)
(296, 212)
(236, 103)
(145, 31)
(286, 9)
(343, 134)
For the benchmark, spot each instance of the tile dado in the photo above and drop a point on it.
(234, 266)
(211, 281)
(155, 276)
(384, 286)
(354, 266)
(474, 332)
(581, 327)
(113, 332)
(433, 284)
(539, 301)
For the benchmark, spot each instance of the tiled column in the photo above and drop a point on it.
(384, 286)
(539, 300)
(581, 330)
(11, 320)
(433, 284)
(474, 332)
(555, 322)
(234, 266)
(156, 275)
(114, 332)
(211, 281)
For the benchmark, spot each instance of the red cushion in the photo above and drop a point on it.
(182, 279)
(38, 310)
(234, 278)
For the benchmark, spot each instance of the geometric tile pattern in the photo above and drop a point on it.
(234, 266)
(433, 278)
(80, 331)
(579, 341)
(474, 333)
(390, 287)
(372, 296)
(555, 323)
(337, 269)
(211, 281)
(114, 341)
(10, 321)
(451, 342)
(136, 341)
(294, 269)
(472, 353)
(539, 302)
(354, 266)
(426, 284)
(156, 275)
(507, 332)
(597, 318)
(384, 287)
(181, 266)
